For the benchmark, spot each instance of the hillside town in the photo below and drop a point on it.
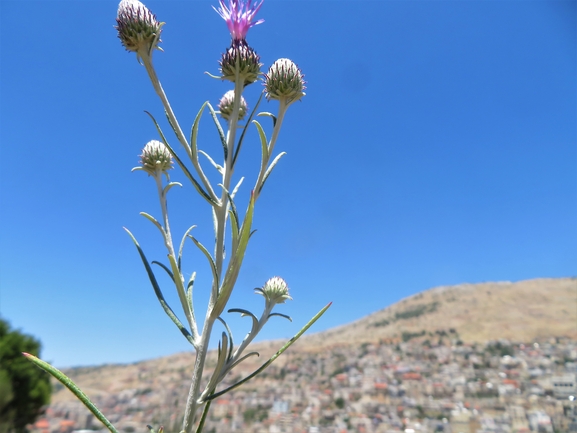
(421, 382)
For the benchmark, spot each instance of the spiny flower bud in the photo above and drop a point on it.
(138, 28)
(226, 106)
(155, 158)
(242, 58)
(284, 81)
(275, 290)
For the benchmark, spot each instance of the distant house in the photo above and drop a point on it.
(564, 386)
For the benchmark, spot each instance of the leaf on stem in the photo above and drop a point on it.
(185, 170)
(182, 245)
(214, 164)
(68, 383)
(242, 358)
(235, 190)
(269, 169)
(170, 123)
(163, 266)
(189, 288)
(263, 142)
(234, 229)
(289, 318)
(208, 256)
(235, 262)
(244, 313)
(159, 294)
(229, 336)
(274, 357)
(220, 131)
(241, 139)
(155, 222)
(194, 134)
(220, 363)
(170, 185)
(266, 113)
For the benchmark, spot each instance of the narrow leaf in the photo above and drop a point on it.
(170, 185)
(155, 222)
(162, 137)
(281, 315)
(234, 229)
(194, 134)
(220, 131)
(189, 288)
(235, 262)
(266, 113)
(274, 357)
(214, 164)
(163, 266)
(229, 336)
(269, 169)
(208, 256)
(241, 139)
(159, 294)
(170, 123)
(235, 190)
(238, 361)
(185, 170)
(182, 245)
(68, 383)
(244, 313)
(220, 363)
(263, 142)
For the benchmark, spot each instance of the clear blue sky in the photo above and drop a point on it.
(436, 145)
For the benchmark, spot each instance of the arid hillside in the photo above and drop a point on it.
(521, 311)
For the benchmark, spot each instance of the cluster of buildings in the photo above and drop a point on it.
(427, 383)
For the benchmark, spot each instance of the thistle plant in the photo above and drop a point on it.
(139, 32)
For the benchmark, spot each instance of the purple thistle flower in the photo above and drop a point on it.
(239, 16)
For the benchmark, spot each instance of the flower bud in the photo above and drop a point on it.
(155, 158)
(284, 81)
(242, 58)
(275, 290)
(226, 106)
(138, 28)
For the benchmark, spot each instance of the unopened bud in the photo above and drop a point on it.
(226, 106)
(284, 81)
(241, 59)
(138, 28)
(155, 158)
(275, 290)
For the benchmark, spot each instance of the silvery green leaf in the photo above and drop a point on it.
(159, 294)
(244, 129)
(269, 169)
(266, 113)
(68, 383)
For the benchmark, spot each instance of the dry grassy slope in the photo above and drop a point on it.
(520, 311)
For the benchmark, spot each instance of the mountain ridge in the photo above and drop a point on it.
(478, 312)
(520, 312)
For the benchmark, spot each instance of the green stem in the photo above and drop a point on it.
(192, 400)
(220, 214)
(281, 112)
(147, 61)
(274, 357)
(186, 306)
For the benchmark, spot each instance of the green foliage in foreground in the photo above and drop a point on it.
(24, 388)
